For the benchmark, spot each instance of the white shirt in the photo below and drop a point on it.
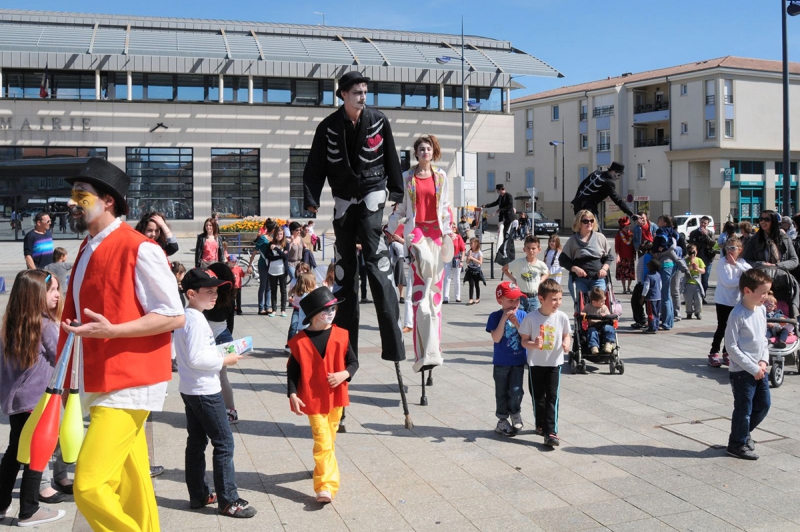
(199, 361)
(728, 274)
(556, 325)
(156, 292)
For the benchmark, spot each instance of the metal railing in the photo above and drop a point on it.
(529, 124)
(584, 116)
(711, 99)
(642, 143)
(606, 110)
(650, 107)
(728, 98)
(604, 147)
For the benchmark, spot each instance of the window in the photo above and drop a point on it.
(297, 163)
(749, 167)
(583, 171)
(235, 181)
(415, 96)
(388, 95)
(452, 97)
(554, 113)
(279, 90)
(193, 89)
(727, 91)
(729, 128)
(779, 168)
(489, 181)
(605, 110)
(161, 180)
(684, 128)
(490, 155)
(684, 89)
(604, 140)
(159, 87)
(327, 92)
(529, 178)
(584, 110)
(405, 160)
(640, 171)
(529, 147)
(584, 141)
(711, 91)
(529, 119)
(62, 85)
(490, 99)
(711, 129)
(306, 92)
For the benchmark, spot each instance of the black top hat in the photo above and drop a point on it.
(200, 278)
(317, 301)
(499, 186)
(348, 80)
(107, 178)
(616, 167)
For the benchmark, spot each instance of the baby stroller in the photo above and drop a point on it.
(580, 339)
(786, 290)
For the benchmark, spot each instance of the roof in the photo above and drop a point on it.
(740, 63)
(95, 34)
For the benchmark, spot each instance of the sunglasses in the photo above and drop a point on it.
(765, 219)
(584, 221)
(731, 248)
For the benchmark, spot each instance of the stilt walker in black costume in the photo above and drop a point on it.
(354, 150)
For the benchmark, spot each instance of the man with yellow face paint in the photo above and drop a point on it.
(125, 296)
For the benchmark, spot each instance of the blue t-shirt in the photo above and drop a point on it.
(508, 351)
(39, 247)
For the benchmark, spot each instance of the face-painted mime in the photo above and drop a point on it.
(354, 150)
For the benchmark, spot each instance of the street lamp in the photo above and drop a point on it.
(555, 144)
(323, 16)
(793, 9)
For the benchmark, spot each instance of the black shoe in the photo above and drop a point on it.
(637, 326)
(365, 300)
(552, 441)
(445, 302)
(210, 499)
(742, 452)
(342, 429)
(174, 366)
(156, 470)
(62, 488)
(688, 315)
(705, 302)
(779, 344)
(402, 300)
(55, 498)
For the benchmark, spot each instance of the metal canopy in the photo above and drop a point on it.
(44, 167)
(42, 32)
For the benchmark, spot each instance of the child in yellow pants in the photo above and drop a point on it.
(321, 363)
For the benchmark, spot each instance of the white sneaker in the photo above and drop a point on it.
(516, 421)
(595, 350)
(42, 515)
(324, 497)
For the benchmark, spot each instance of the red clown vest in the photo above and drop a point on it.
(313, 388)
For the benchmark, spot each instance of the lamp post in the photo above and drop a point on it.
(555, 144)
(793, 9)
(323, 16)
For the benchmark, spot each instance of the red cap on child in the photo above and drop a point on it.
(509, 290)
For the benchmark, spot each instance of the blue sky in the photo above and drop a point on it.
(584, 39)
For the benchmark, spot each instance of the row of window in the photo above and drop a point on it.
(74, 85)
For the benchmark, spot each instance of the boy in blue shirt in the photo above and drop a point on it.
(509, 358)
(651, 294)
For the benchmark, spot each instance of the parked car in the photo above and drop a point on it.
(543, 226)
(689, 222)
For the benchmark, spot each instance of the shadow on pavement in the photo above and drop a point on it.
(438, 434)
(644, 451)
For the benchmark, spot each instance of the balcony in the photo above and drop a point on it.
(711, 99)
(645, 143)
(529, 124)
(584, 116)
(606, 110)
(728, 98)
(604, 147)
(649, 108)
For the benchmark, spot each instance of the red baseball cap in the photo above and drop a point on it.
(509, 290)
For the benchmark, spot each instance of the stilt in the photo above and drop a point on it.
(409, 423)
(423, 401)
(342, 429)
(430, 377)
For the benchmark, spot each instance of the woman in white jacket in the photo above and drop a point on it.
(727, 295)
(427, 231)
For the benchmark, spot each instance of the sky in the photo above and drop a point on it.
(586, 40)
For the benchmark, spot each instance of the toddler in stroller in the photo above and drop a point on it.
(599, 331)
(782, 316)
(778, 331)
(596, 321)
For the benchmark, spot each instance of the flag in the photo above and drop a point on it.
(45, 83)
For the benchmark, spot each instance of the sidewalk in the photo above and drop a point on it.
(642, 451)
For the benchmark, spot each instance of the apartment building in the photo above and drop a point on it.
(702, 137)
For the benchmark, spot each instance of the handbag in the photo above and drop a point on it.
(455, 263)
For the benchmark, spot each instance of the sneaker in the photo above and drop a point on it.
(211, 499)
(595, 350)
(539, 431)
(402, 300)
(174, 366)
(676, 318)
(650, 331)
(637, 326)
(504, 427)
(239, 508)
(608, 348)
(688, 315)
(156, 470)
(742, 452)
(233, 416)
(713, 360)
(283, 314)
(323, 497)
(552, 440)
(662, 328)
(445, 302)
(699, 317)
(271, 315)
(750, 444)
(42, 515)
(725, 360)
(516, 421)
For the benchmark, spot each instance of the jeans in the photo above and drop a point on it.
(667, 315)
(584, 285)
(653, 314)
(723, 312)
(508, 390)
(600, 333)
(529, 304)
(294, 325)
(777, 332)
(264, 291)
(9, 467)
(751, 402)
(206, 419)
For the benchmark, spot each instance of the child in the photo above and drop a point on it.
(776, 330)
(626, 255)
(330, 276)
(528, 272)
(322, 361)
(546, 335)
(305, 283)
(199, 365)
(474, 274)
(278, 270)
(238, 274)
(59, 267)
(28, 350)
(599, 332)
(693, 288)
(745, 337)
(651, 295)
(729, 269)
(551, 257)
(509, 358)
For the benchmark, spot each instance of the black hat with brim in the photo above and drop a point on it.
(317, 301)
(616, 167)
(200, 278)
(348, 80)
(107, 178)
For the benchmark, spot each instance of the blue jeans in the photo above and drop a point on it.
(584, 285)
(264, 293)
(529, 304)
(294, 324)
(667, 315)
(508, 390)
(206, 419)
(597, 333)
(751, 402)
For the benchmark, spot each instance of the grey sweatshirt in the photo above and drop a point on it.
(20, 389)
(746, 338)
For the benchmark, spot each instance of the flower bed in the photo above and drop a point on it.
(251, 224)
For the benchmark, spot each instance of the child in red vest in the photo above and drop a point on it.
(238, 274)
(321, 363)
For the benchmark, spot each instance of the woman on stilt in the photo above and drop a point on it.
(426, 211)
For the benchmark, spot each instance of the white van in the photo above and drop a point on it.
(689, 222)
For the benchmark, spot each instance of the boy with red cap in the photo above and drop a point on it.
(509, 358)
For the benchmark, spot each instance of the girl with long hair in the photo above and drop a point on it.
(208, 248)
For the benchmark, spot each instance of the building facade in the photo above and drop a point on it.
(208, 115)
(703, 137)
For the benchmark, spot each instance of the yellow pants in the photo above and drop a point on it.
(113, 489)
(326, 469)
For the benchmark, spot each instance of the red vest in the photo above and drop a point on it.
(313, 388)
(108, 288)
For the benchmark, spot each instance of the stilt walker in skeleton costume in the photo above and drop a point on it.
(354, 150)
(597, 187)
(505, 219)
(427, 231)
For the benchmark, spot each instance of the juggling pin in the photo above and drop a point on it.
(71, 433)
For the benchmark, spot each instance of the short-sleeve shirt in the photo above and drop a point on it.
(555, 326)
(508, 351)
(694, 269)
(426, 200)
(40, 247)
(528, 274)
(210, 250)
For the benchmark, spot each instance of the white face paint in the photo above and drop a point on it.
(327, 316)
(84, 204)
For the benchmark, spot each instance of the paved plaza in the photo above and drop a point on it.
(641, 451)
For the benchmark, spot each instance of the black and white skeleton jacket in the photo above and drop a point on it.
(595, 188)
